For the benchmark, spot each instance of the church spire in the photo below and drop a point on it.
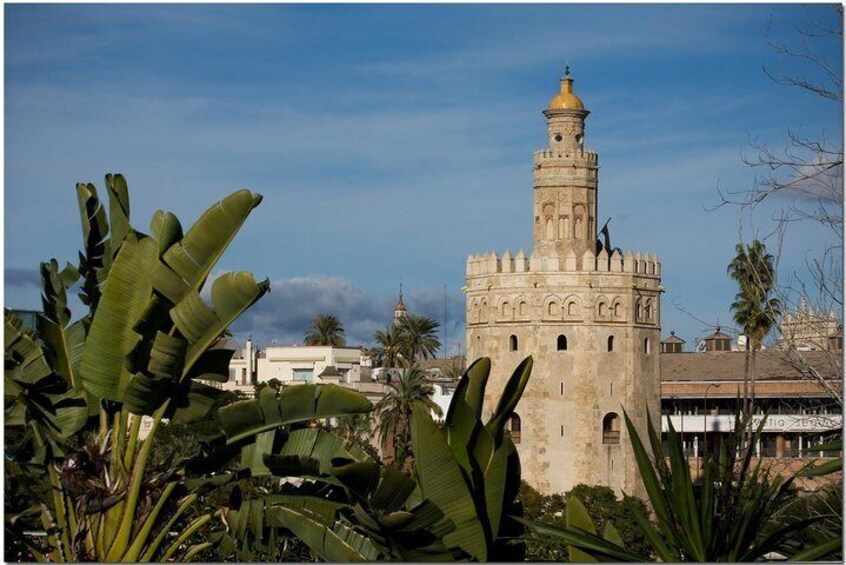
(400, 310)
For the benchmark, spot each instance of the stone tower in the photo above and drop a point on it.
(590, 316)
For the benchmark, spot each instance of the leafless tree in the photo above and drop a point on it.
(804, 179)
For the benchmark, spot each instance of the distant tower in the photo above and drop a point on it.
(590, 318)
(400, 310)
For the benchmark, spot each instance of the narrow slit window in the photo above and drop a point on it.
(562, 342)
(610, 343)
(512, 343)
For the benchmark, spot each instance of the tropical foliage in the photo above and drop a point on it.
(394, 412)
(410, 339)
(418, 337)
(325, 329)
(755, 309)
(80, 389)
(459, 502)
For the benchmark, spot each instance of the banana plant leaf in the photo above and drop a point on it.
(231, 295)
(124, 298)
(187, 263)
(96, 260)
(299, 403)
(441, 481)
(335, 545)
(32, 392)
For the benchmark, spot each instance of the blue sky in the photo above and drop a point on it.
(390, 142)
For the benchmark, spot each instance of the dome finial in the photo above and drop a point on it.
(567, 69)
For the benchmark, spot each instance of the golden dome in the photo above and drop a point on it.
(566, 100)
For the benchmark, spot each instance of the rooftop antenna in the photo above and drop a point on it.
(445, 320)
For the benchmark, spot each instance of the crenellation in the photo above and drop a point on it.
(642, 264)
(616, 265)
(548, 157)
(535, 261)
(588, 261)
(507, 262)
(602, 261)
(520, 264)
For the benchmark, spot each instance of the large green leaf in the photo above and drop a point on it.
(296, 403)
(33, 393)
(333, 545)
(576, 517)
(95, 262)
(118, 209)
(185, 266)
(111, 338)
(231, 295)
(511, 395)
(441, 481)
(599, 548)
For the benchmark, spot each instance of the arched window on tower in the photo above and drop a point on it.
(506, 309)
(562, 342)
(571, 309)
(611, 429)
(512, 343)
(515, 427)
(610, 343)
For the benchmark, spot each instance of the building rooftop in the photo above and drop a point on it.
(729, 365)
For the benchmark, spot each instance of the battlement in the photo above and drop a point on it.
(635, 263)
(548, 157)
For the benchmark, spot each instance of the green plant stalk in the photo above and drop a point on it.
(132, 442)
(48, 524)
(193, 527)
(118, 441)
(195, 550)
(143, 534)
(125, 529)
(60, 514)
(183, 506)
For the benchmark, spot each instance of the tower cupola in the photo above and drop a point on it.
(566, 99)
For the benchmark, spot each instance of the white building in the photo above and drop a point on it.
(295, 364)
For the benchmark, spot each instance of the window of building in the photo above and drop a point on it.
(523, 308)
(553, 309)
(512, 343)
(611, 429)
(304, 375)
(571, 309)
(618, 310)
(506, 309)
(562, 342)
(601, 309)
(646, 346)
(515, 427)
(562, 388)
(610, 343)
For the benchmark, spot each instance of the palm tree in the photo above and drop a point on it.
(387, 350)
(418, 337)
(394, 412)
(325, 329)
(755, 310)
